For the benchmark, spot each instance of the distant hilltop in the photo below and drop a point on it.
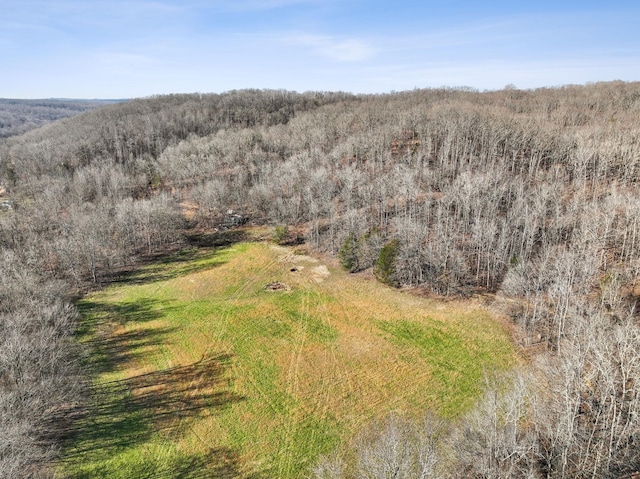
(18, 116)
(85, 100)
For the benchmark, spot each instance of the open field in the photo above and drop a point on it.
(201, 371)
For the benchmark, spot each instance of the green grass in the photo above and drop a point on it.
(199, 371)
(459, 368)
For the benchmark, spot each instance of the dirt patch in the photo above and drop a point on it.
(277, 286)
(320, 273)
(296, 263)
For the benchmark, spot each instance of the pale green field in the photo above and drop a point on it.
(202, 372)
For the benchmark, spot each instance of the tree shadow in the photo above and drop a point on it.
(108, 350)
(97, 313)
(127, 416)
(117, 351)
(168, 265)
(217, 239)
(216, 464)
(126, 413)
(172, 262)
(163, 268)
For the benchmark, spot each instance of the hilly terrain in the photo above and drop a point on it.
(19, 116)
(527, 199)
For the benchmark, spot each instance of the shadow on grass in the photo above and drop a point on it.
(117, 351)
(125, 422)
(126, 414)
(218, 239)
(109, 350)
(162, 268)
(98, 313)
(200, 255)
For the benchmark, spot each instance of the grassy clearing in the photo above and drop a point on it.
(202, 372)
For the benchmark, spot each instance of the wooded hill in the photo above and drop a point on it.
(20, 116)
(530, 195)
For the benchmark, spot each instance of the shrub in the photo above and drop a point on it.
(281, 234)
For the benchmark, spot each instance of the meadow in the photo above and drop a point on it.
(252, 360)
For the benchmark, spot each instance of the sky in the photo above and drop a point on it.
(115, 49)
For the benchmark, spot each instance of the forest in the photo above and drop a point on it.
(20, 116)
(527, 199)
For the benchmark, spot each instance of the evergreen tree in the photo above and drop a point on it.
(384, 269)
(348, 253)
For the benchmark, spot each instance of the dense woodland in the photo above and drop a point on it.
(20, 116)
(528, 197)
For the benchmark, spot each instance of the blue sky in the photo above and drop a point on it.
(134, 48)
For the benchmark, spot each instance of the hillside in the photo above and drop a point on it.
(19, 116)
(526, 197)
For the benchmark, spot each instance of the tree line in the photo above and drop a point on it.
(527, 195)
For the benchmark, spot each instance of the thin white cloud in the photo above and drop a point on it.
(119, 48)
(342, 50)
